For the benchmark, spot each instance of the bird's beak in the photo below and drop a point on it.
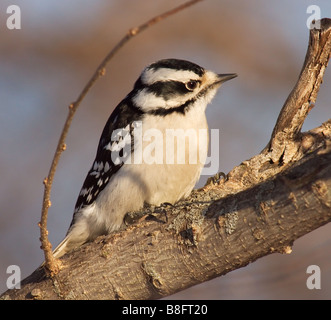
(225, 77)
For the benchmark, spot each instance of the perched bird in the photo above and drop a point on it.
(133, 163)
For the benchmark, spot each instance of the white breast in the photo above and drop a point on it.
(155, 178)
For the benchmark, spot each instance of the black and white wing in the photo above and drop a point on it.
(115, 145)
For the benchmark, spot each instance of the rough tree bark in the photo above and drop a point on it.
(263, 206)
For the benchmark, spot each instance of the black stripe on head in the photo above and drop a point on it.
(172, 64)
(164, 112)
(167, 89)
(177, 64)
(182, 109)
(138, 84)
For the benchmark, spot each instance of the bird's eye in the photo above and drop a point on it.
(191, 85)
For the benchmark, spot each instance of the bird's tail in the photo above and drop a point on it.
(68, 244)
(61, 249)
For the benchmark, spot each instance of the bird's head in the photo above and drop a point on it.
(171, 85)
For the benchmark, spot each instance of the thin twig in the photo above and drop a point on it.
(51, 264)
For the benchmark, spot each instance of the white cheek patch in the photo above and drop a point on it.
(148, 101)
(151, 76)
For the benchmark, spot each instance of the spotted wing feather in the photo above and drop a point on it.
(113, 143)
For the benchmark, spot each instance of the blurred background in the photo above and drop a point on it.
(45, 65)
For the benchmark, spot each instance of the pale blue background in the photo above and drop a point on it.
(44, 66)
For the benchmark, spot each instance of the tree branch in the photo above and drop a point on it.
(265, 204)
(303, 96)
(52, 265)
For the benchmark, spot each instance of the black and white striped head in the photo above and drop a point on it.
(173, 85)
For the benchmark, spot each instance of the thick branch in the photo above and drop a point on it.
(205, 237)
